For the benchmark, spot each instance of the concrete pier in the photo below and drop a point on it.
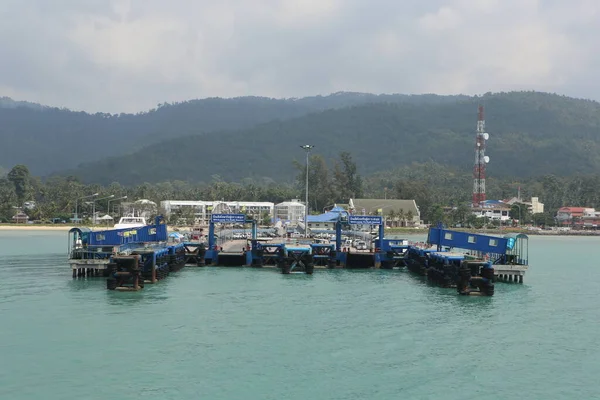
(510, 273)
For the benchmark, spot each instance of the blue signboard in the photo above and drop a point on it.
(228, 218)
(364, 220)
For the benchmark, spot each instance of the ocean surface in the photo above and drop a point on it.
(233, 333)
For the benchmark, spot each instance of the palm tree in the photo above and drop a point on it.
(392, 217)
(409, 216)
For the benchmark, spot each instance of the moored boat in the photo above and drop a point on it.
(90, 251)
(130, 222)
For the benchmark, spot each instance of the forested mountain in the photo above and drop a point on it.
(531, 134)
(7, 102)
(49, 139)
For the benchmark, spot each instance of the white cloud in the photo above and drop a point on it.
(129, 55)
(445, 18)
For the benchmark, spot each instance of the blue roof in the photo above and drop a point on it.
(493, 203)
(329, 216)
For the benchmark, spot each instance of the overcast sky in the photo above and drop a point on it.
(129, 55)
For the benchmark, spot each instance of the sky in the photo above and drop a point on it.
(130, 55)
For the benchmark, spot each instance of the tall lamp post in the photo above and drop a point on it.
(76, 204)
(94, 207)
(118, 198)
(518, 205)
(307, 148)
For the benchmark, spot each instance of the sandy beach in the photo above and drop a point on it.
(55, 228)
(24, 227)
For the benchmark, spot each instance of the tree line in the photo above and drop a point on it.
(531, 135)
(442, 193)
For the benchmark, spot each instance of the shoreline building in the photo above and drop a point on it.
(402, 212)
(534, 206)
(203, 210)
(327, 220)
(290, 212)
(492, 209)
(579, 217)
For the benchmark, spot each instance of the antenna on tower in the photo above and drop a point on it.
(481, 137)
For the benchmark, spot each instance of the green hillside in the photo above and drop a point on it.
(49, 139)
(531, 134)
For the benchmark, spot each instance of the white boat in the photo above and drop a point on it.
(130, 222)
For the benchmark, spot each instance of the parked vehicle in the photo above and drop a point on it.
(361, 245)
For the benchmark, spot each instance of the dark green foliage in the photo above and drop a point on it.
(21, 180)
(531, 134)
(347, 182)
(417, 147)
(8, 200)
(326, 188)
(49, 139)
(433, 186)
(56, 197)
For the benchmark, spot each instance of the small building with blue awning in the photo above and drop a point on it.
(326, 221)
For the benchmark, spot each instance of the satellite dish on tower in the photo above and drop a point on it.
(486, 136)
(486, 159)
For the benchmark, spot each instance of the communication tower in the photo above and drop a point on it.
(481, 160)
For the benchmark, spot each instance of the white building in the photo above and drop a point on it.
(139, 208)
(534, 206)
(496, 213)
(202, 210)
(292, 211)
(494, 210)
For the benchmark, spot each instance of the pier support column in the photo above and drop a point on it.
(74, 273)
(136, 268)
(520, 278)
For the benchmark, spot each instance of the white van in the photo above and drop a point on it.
(361, 245)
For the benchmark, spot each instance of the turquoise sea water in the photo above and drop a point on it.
(233, 333)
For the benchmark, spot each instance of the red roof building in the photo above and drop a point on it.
(573, 215)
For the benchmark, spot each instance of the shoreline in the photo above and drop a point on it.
(35, 228)
(500, 232)
(392, 231)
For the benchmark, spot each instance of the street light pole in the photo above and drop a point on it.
(94, 207)
(76, 204)
(307, 148)
(108, 207)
